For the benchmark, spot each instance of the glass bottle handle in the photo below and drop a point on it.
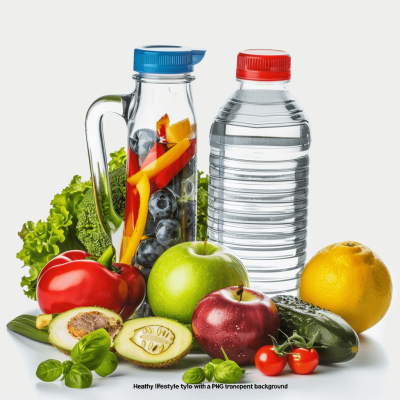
(111, 222)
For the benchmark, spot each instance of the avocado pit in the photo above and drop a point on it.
(86, 322)
(66, 329)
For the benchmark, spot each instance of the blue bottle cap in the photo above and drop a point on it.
(166, 59)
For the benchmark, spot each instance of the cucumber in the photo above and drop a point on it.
(26, 325)
(333, 331)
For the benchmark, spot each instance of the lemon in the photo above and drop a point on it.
(350, 280)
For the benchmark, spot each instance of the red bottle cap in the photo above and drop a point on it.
(263, 65)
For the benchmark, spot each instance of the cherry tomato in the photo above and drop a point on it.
(303, 361)
(268, 362)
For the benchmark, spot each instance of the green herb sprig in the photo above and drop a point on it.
(92, 349)
(217, 370)
(49, 371)
(91, 353)
(79, 377)
(193, 376)
(66, 367)
(108, 366)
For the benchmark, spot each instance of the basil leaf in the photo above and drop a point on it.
(209, 372)
(79, 377)
(108, 366)
(216, 362)
(193, 376)
(92, 349)
(210, 367)
(227, 372)
(49, 371)
(66, 367)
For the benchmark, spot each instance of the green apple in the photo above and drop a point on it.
(187, 272)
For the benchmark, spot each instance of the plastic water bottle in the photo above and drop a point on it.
(259, 173)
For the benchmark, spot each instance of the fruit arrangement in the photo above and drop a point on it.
(190, 289)
(186, 295)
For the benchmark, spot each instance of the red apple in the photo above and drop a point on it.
(240, 326)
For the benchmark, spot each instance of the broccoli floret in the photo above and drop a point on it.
(118, 189)
(89, 229)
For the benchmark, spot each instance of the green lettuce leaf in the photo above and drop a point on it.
(118, 158)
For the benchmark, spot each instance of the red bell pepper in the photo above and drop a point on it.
(164, 161)
(70, 280)
(168, 173)
(161, 127)
(132, 162)
(153, 186)
(156, 151)
(132, 198)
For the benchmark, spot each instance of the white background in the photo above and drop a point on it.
(59, 56)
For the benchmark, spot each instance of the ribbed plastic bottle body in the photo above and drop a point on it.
(258, 187)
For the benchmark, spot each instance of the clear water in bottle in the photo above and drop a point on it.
(259, 165)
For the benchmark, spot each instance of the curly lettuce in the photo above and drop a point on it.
(118, 158)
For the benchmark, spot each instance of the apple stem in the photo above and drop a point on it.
(240, 291)
(205, 244)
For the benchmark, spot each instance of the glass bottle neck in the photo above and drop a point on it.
(262, 85)
(164, 78)
(157, 95)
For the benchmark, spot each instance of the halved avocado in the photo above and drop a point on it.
(153, 342)
(68, 328)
